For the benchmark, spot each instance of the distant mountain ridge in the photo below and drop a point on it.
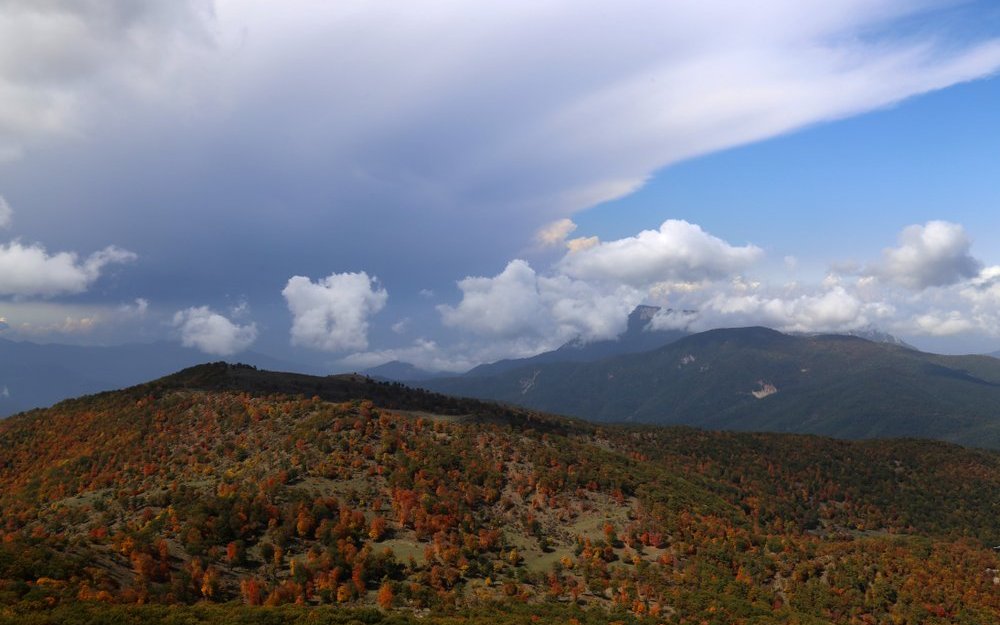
(639, 336)
(399, 371)
(760, 379)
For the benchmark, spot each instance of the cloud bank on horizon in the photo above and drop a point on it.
(238, 148)
(929, 284)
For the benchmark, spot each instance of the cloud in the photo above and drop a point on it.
(28, 270)
(834, 309)
(540, 140)
(59, 58)
(521, 311)
(507, 304)
(677, 251)
(555, 233)
(137, 308)
(580, 244)
(932, 255)
(332, 314)
(6, 213)
(213, 333)
(938, 323)
(519, 303)
(3, 324)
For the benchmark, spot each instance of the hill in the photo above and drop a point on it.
(33, 375)
(399, 371)
(225, 483)
(758, 379)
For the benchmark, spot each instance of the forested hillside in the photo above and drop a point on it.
(229, 485)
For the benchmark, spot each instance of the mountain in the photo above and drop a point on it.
(197, 497)
(760, 379)
(638, 337)
(34, 375)
(401, 372)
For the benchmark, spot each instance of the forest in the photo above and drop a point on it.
(197, 499)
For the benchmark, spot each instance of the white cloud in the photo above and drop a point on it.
(213, 333)
(6, 213)
(332, 314)
(555, 233)
(677, 251)
(28, 270)
(507, 304)
(825, 310)
(519, 303)
(401, 326)
(932, 255)
(938, 323)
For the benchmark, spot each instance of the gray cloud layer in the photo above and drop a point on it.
(237, 144)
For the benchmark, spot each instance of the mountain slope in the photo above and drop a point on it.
(225, 483)
(759, 379)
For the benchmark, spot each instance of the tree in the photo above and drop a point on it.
(385, 596)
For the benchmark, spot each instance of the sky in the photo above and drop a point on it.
(451, 183)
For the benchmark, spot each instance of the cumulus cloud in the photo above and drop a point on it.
(938, 323)
(28, 270)
(677, 251)
(332, 314)
(6, 213)
(504, 305)
(820, 310)
(518, 302)
(212, 333)
(931, 255)
(555, 233)
(590, 291)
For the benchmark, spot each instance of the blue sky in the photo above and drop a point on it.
(450, 184)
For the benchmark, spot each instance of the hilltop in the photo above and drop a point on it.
(34, 375)
(226, 483)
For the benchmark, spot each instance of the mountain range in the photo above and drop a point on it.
(225, 493)
(762, 380)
